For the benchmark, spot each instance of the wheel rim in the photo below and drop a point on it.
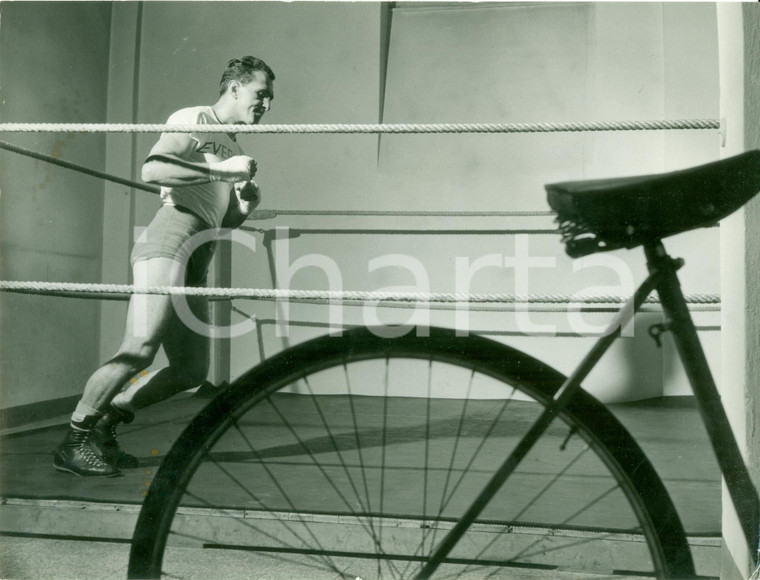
(363, 470)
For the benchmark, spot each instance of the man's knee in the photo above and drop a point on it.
(136, 357)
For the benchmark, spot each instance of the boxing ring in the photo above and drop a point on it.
(483, 302)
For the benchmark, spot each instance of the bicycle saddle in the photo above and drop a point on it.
(606, 214)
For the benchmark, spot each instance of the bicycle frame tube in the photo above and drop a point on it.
(561, 399)
(738, 481)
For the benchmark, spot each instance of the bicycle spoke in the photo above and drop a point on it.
(286, 548)
(535, 499)
(324, 473)
(421, 549)
(383, 451)
(472, 459)
(525, 552)
(457, 438)
(344, 465)
(428, 404)
(278, 554)
(360, 456)
(553, 481)
(335, 445)
(257, 499)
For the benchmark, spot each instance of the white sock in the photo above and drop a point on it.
(84, 417)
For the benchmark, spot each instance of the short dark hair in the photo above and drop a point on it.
(242, 69)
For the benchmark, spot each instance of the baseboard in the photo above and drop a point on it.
(20, 415)
(12, 417)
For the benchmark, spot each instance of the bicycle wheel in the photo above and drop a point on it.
(354, 456)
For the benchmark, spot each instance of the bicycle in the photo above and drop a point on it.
(308, 458)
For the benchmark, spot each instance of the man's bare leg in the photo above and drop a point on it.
(148, 317)
(188, 355)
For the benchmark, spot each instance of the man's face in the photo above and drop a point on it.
(254, 98)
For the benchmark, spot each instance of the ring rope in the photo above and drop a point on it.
(416, 231)
(266, 214)
(36, 287)
(516, 307)
(273, 213)
(383, 128)
(81, 168)
(584, 309)
(476, 307)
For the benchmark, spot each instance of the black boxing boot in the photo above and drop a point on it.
(104, 438)
(76, 455)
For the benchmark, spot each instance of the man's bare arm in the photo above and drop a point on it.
(167, 164)
(244, 198)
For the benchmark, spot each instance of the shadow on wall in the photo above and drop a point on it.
(643, 364)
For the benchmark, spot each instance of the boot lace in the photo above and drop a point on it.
(111, 432)
(89, 455)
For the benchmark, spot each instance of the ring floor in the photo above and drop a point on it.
(56, 525)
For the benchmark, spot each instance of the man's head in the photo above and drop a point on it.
(248, 82)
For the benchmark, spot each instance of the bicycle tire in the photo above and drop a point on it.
(216, 450)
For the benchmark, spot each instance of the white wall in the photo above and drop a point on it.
(490, 63)
(55, 62)
(502, 63)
